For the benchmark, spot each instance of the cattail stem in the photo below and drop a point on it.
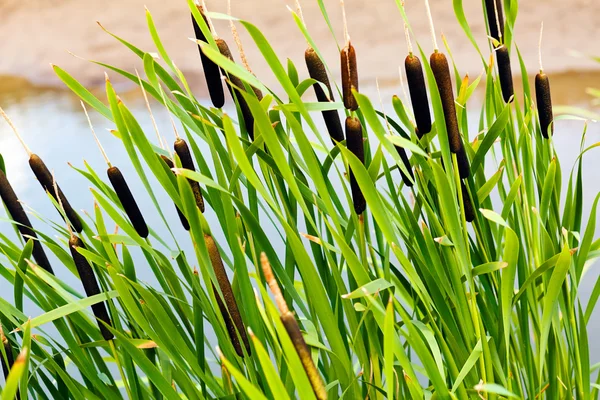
(235, 84)
(90, 285)
(349, 76)
(128, 201)
(293, 330)
(505, 73)
(17, 213)
(317, 71)
(211, 70)
(183, 152)
(354, 142)
(44, 176)
(418, 94)
(182, 218)
(227, 304)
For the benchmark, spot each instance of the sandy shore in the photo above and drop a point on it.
(43, 32)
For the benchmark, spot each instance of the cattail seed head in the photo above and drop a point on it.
(127, 201)
(418, 94)
(317, 71)
(464, 168)
(349, 76)
(227, 304)
(354, 141)
(441, 72)
(544, 104)
(235, 84)
(211, 70)
(90, 285)
(408, 180)
(17, 213)
(183, 151)
(495, 18)
(505, 73)
(182, 218)
(467, 204)
(44, 176)
(293, 330)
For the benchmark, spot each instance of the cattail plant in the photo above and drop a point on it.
(121, 188)
(182, 218)
(211, 70)
(354, 141)
(317, 71)
(349, 68)
(495, 18)
(407, 179)
(505, 73)
(90, 285)
(43, 175)
(417, 89)
(467, 203)
(17, 213)
(227, 304)
(543, 97)
(235, 84)
(291, 326)
(183, 152)
(441, 73)
(10, 358)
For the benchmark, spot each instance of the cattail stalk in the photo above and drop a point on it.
(291, 326)
(211, 70)
(44, 176)
(505, 73)
(349, 76)
(90, 285)
(317, 71)
(183, 151)
(354, 142)
(182, 218)
(418, 94)
(235, 84)
(17, 213)
(128, 201)
(227, 305)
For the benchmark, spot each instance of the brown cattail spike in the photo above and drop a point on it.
(462, 160)
(211, 70)
(317, 71)
(354, 141)
(127, 201)
(90, 285)
(349, 76)
(418, 93)
(235, 84)
(544, 104)
(182, 218)
(467, 204)
(187, 162)
(407, 179)
(45, 178)
(505, 73)
(227, 304)
(495, 18)
(17, 213)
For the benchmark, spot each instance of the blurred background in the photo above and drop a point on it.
(64, 32)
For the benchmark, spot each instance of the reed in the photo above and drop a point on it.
(467, 203)
(505, 73)
(418, 94)
(211, 70)
(227, 305)
(354, 141)
(544, 104)
(235, 84)
(18, 214)
(495, 18)
(407, 179)
(90, 285)
(182, 218)
(183, 152)
(293, 330)
(127, 200)
(43, 175)
(349, 76)
(317, 71)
